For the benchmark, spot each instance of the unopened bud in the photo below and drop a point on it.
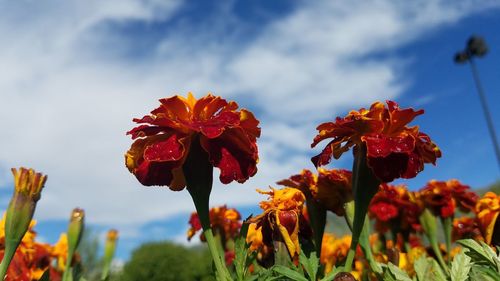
(75, 228)
(109, 252)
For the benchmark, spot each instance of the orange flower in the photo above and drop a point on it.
(282, 218)
(393, 149)
(394, 207)
(487, 210)
(334, 250)
(442, 197)
(330, 188)
(163, 142)
(265, 255)
(226, 222)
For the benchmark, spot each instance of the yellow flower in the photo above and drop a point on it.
(487, 210)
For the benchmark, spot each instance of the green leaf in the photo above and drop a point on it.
(477, 252)
(428, 269)
(285, 271)
(484, 274)
(310, 264)
(241, 253)
(461, 266)
(399, 274)
(332, 273)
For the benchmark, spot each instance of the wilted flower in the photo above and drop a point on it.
(225, 222)
(393, 149)
(394, 207)
(282, 218)
(163, 142)
(442, 197)
(255, 239)
(487, 210)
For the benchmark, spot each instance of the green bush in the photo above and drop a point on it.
(167, 261)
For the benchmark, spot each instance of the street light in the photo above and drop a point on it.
(476, 47)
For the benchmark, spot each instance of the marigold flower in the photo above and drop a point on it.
(394, 207)
(225, 222)
(466, 228)
(282, 218)
(163, 141)
(393, 149)
(334, 250)
(330, 188)
(255, 239)
(442, 197)
(487, 210)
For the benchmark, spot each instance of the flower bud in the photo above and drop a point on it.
(28, 186)
(75, 228)
(109, 252)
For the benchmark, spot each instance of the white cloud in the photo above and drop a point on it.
(66, 105)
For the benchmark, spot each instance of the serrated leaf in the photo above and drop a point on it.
(285, 271)
(399, 274)
(310, 264)
(460, 267)
(476, 252)
(438, 272)
(484, 274)
(423, 269)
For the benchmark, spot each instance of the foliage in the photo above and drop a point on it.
(167, 261)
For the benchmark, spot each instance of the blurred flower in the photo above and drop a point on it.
(60, 252)
(163, 142)
(466, 228)
(442, 197)
(330, 188)
(225, 222)
(487, 210)
(394, 207)
(255, 239)
(393, 149)
(282, 218)
(334, 250)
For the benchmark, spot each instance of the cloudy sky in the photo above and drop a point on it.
(73, 74)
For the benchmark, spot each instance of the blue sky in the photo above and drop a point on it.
(73, 76)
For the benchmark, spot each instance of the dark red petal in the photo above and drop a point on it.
(388, 168)
(288, 219)
(379, 145)
(233, 153)
(384, 211)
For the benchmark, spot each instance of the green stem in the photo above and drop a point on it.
(281, 255)
(429, 224)
(198, 172)
(10, 250)
(447, 227)
(364, 187)
(317, 217)
(67, 271)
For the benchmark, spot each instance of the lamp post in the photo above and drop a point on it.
(476, 47)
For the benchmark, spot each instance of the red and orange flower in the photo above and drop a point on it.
(487, 210)
(393, 149)
(466, 228)
(442, 197)
(163, 141)
(330, 188)
(225, 222)
(394, 207)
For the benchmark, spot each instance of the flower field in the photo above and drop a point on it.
(395, 232)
